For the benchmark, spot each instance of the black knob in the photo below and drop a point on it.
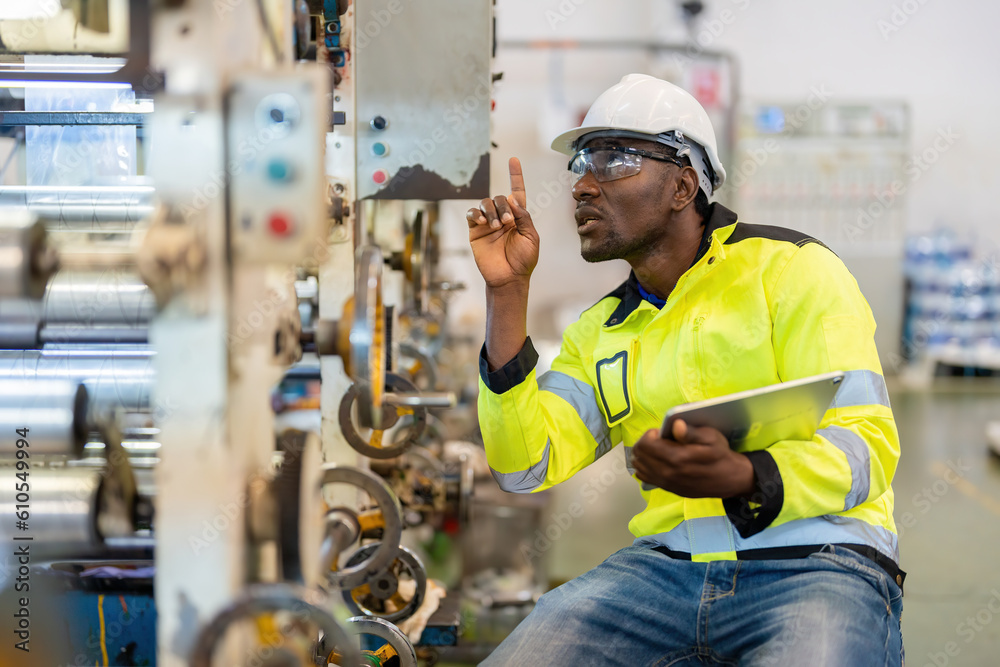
(379, 123)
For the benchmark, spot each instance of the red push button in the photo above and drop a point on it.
(380, 176)
(280, 224)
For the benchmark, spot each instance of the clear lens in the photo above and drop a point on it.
(606, 164)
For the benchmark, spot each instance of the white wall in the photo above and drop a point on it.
(942, 60)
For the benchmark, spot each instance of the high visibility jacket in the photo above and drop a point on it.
(760, 305)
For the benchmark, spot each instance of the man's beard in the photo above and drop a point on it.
(613, 246)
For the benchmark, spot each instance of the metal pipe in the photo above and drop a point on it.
(52, 414)
(140, 449)
(63, 506)
(98, 297)
(113, 377)
(28, 335)
(90, 335)
(80, 307)
(82, 207)
(425, 399)
(19, 334)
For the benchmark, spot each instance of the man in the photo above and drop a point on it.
(785, 556)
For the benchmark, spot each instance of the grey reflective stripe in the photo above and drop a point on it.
(704, 535)
(858, 457)
(710, 535)
(524, 481)
(581, 398)
(861, 388)
(828, 529)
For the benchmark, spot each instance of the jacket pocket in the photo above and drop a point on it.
(693, 373)
(613, 374)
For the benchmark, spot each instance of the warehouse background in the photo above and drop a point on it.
(935, 59)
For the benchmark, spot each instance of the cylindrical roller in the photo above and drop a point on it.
(82, 207)
(18, 334)
(51, 413)
(101, 335)
(62, 507)
(98, 297)
(113, 377)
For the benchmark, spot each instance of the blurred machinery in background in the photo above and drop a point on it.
(222, 329)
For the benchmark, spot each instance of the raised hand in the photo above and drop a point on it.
(502, 235)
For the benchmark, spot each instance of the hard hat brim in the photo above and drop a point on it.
(566, 141)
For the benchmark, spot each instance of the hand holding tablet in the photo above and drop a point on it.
(757, 418)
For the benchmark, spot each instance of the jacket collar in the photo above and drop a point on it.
(628, 291)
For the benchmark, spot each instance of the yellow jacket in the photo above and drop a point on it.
(760, 305)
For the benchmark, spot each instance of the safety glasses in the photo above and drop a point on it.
(610, 164)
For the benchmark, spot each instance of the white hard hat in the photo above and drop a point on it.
(642, 104)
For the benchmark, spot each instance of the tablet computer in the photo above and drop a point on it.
(758, 418)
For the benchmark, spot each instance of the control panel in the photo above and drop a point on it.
(276, 133)
(423, 122)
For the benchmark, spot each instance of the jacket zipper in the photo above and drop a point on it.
(699, 354)
(634, 353)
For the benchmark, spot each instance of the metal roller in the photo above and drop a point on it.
(72, 334)
(112, 306)
(83, 207)
(52, 413)
(98, 297)
(114, 378)
(62, 506)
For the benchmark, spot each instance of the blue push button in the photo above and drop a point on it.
(380, 149)
(279, 170)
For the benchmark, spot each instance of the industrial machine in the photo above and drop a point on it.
(221, 322)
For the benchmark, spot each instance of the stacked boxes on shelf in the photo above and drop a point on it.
(953, 304)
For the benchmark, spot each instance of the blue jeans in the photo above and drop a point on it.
(641, 607)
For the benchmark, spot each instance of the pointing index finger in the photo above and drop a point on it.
(517, 182)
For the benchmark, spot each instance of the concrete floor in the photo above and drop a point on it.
(947, 510)
(951, 545)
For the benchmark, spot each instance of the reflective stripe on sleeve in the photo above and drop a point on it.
(524, 481)
(861, 388)
(858, 457)
(583, 399)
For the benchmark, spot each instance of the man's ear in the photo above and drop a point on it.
(686, 188)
